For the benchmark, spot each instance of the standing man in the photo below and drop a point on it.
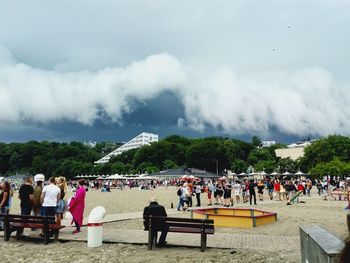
(158, 224)
(252, 186)
(198, 191)
(49, 198)
(26, 196)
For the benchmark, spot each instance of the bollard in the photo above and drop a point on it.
(172, 205)
(95, 227)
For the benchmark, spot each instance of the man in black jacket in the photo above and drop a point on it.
(252, 186)
(158, 224)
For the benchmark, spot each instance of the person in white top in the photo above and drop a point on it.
(49, 198)
(237, 191)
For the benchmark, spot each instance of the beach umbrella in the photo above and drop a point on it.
(299, 173)
(274, 174)
(185, 178)
(242, 174)
(286, 173)
(263, 173)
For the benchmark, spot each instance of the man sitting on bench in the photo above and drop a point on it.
(158, 224)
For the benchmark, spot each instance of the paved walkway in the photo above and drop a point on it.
(218, 240)
(117, 217)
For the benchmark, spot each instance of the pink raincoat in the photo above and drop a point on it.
(77, 205)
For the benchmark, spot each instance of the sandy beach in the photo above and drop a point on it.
(315, 211)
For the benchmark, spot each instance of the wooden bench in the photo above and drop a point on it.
(203, 227)
(17, 223)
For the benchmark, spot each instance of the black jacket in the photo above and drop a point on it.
(154, 209)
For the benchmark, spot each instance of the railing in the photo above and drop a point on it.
(319, 246)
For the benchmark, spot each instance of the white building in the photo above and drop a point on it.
(90, 144)
(137, 142)
(267, 143)
(294, 150)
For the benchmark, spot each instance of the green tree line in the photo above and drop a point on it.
(323, 157)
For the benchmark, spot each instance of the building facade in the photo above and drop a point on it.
(137, 142)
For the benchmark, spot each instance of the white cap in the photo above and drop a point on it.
(39, 177)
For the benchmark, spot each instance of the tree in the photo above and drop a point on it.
(169, 164)
(287, 164)
(336, 167)
(325, 150)
(208, 154)
(256, 141)
(258, 155)
(239, 166)
(118, 167)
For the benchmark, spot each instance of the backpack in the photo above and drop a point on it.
(179, 192)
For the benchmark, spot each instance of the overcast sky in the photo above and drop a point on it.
(106, 70)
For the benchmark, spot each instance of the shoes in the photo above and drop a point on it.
(163, 244)
(76, 232)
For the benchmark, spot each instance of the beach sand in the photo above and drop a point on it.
(315, 211)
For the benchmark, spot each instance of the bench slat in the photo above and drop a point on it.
(179, 224)
(39, 226)
(176, 219)
(190, 230)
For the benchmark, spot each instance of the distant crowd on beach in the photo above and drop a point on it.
(44, 198)
(229, 192)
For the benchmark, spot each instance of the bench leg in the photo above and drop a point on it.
(55, 237)
(150, 239)
(19, 233)
(7, 234)
(7, 229)
(203, 241)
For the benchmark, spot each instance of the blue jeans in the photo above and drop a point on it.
(25, 211)
(48, 210)
(3, 211)
(182, 202)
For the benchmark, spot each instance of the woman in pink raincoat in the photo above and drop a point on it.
(77, 205)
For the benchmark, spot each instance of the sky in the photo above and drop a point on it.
(106, 70)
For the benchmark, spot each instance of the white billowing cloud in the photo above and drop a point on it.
(27, 93)
(300, 102)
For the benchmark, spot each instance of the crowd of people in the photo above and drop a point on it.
(228, 192)
(45, 198)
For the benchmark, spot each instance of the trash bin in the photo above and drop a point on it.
(95, 226)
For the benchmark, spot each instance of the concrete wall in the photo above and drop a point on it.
(319, 246)
(293, 153)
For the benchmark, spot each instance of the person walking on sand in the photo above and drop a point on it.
(198, 191)
(77, 205)
(4, 200)
(210, 191)
(62, 204)
(38, 189)
(49, 198)
(261, 187)
(252, 193)
(237, 191)
(26, 196)
(270, 188)
(277, 189)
